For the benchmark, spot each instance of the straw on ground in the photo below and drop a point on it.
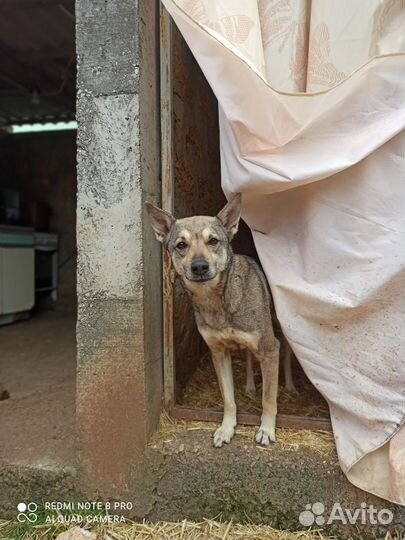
(321, 442)
(182, 530)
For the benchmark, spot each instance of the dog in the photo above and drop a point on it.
(232, 305)
(288, 356)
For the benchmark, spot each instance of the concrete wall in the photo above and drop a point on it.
(119, 379)
(42, 167)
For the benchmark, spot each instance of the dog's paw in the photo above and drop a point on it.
(265, 436)
(223, 435)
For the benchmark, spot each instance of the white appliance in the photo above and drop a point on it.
(17, 293)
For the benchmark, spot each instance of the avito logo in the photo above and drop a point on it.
(314, 514)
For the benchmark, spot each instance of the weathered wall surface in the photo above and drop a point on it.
(42, 167)
(119, 277)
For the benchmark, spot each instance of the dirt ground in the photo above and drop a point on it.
(38, 369)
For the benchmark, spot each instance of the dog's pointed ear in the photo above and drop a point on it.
(229, 216)
(161, 221)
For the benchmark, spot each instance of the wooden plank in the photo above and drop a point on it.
(166, 118)
(283, 420)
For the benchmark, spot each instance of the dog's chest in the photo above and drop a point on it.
(229, 338)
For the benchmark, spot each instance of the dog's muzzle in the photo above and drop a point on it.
(199, 269)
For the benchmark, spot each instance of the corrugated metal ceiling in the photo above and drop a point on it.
(37, 61)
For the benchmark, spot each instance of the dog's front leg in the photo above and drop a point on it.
(223, 366)
(269, 364)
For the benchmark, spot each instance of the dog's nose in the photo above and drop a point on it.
(199, 267)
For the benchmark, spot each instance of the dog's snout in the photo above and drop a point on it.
(199, 267)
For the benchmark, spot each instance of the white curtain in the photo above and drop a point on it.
(311, 105)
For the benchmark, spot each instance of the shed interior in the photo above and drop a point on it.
(197, 190)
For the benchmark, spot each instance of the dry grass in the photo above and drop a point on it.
(211, 530)
(202, 391)
(183, 530)
(321, 442)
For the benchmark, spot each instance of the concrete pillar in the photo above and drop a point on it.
(119, 339)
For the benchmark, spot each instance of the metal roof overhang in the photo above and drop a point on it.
(37, 61)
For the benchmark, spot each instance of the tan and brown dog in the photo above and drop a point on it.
(231, 301)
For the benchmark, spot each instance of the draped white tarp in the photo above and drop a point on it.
(311, 106)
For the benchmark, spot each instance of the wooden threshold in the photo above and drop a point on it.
(288, 421)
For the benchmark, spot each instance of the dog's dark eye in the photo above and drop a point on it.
(213, 241)
(181, 245)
